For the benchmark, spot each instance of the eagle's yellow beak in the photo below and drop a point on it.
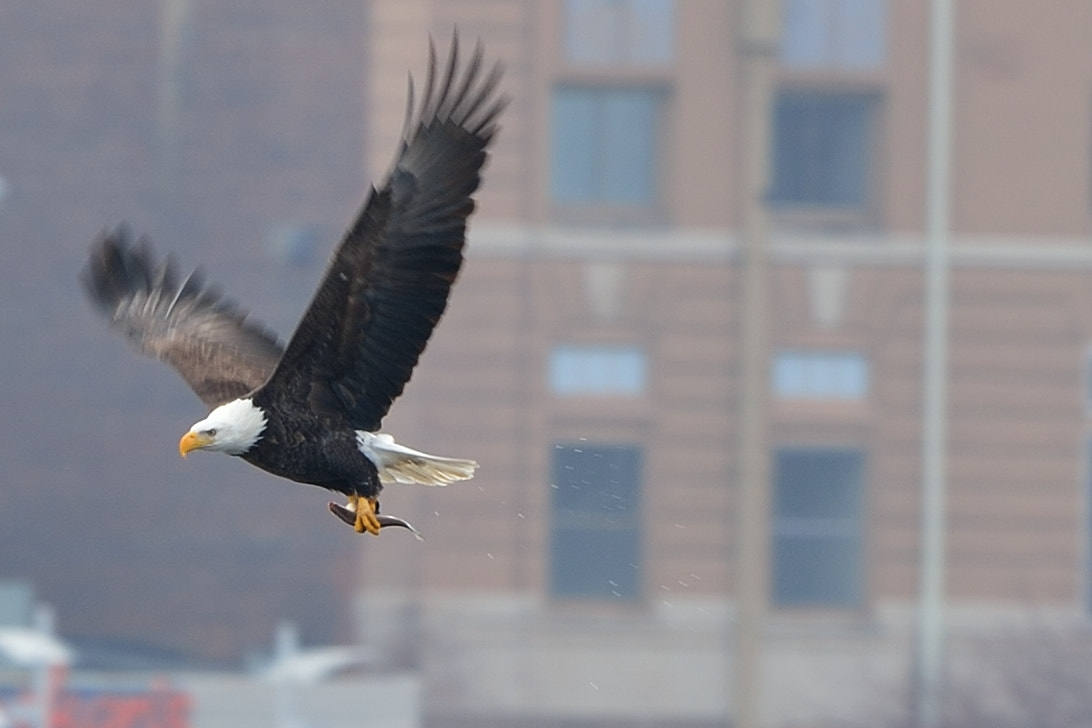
(193, 441)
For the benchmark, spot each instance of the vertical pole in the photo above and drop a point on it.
(930, 634)
(759, 35)
(174, 22)
(47, 674)
(286, 646)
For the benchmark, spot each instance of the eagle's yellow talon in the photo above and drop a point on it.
(365, 509)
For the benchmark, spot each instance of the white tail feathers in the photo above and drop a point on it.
(400, 464)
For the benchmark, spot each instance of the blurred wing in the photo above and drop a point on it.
(388, 283)
(209, 341)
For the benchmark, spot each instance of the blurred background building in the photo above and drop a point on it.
(589, 359)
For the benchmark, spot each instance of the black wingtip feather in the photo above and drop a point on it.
(469, 75)
(430, 78)
(440, 111)
(458, 95)
(119, 267)
(108, 276)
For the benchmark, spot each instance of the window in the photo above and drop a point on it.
(604, 145)
(619, 32)
(820, 375)
(834, 34)
(817, 542)
(595, 549)
(597, 370)
(822, 149)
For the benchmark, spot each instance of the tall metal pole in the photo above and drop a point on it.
(174, 22)
(930, 637)
(285, 647)
(758, 40)
(46, 670)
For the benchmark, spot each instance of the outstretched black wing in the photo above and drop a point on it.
(187, 324)
(388, 282)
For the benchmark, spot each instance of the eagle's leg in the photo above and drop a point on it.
(366, 510)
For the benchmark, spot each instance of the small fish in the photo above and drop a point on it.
(349, 516)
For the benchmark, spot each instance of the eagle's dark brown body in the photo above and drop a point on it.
(316, 453)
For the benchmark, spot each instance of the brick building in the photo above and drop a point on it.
(589, 359)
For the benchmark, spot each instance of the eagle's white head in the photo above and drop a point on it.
(232, 428)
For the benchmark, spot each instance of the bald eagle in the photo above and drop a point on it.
(310, 411)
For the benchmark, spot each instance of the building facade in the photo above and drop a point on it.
(590, 361)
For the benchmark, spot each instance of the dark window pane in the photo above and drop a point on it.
(575, 127)
(822, 148)
(594, 562)
(815, 572)
(605, 145)
(595, 533)
(595, 480)
(818, 484)
(818, 515)
(629, 147)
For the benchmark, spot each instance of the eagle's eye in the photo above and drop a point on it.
(211, 433)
